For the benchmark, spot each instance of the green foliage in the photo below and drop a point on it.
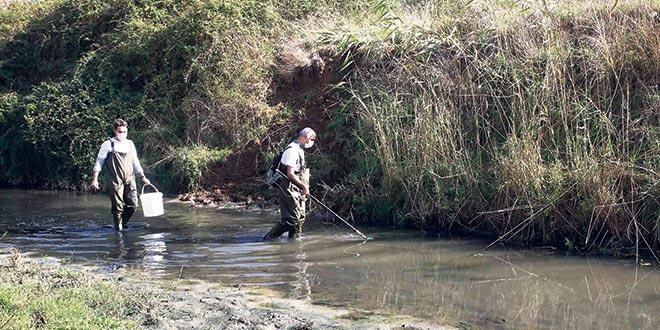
(14, 152)
(62, 122)
(7, 103)
(180, 72)
(50, 44)
(190, 164)
(310, 9)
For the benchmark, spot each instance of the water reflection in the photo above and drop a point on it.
(396, 273)
(126, 249)
(155, 250)
(302, 287)
(147, 250)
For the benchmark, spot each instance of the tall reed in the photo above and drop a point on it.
(538, 123)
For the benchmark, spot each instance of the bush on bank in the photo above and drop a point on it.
(180, 72)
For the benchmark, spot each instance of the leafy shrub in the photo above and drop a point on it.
(190, 164)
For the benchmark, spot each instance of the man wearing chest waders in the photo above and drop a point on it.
(120, 157)
(293, 190)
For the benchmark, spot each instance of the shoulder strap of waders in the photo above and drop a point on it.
(302, 161)
(279, 161)
(112, 147)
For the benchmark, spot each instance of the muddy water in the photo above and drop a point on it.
(402, 273)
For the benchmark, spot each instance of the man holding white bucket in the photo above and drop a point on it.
(120, 158)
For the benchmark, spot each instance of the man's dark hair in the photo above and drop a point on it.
(119, 123)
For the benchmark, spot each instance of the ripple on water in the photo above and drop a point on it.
(397, 272)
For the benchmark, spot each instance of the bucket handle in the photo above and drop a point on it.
(148, 185)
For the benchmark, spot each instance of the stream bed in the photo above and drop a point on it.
(398, 272)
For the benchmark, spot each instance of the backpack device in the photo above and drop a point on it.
(273, 176)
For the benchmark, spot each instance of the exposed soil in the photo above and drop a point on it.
(199, 305)
(302, 82)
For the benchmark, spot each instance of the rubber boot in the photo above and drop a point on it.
(128, 213)
(280, 228)
(118, 222)
(294, 232)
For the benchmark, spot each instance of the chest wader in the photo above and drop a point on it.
(123, 190)
(292, 208)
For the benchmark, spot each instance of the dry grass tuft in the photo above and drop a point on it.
(297, 66)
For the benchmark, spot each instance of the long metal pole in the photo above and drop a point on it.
(327, 208)
(337, 215)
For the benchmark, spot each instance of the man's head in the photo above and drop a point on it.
(121, 129)
(306, 137)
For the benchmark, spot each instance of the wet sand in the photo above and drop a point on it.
(198, 305)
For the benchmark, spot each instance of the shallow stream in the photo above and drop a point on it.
(444, 280)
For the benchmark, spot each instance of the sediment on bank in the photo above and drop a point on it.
(47, 294)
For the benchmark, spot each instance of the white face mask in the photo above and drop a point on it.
(121, 136)
(308, 144)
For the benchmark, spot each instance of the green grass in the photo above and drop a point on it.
(38, 296)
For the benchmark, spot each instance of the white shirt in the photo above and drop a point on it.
(294, 156)
(125, 146)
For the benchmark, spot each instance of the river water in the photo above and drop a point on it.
(442, 280)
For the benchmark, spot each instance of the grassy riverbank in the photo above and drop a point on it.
(537, 123)
(41, 296)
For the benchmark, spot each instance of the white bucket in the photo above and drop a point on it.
(152, 203)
